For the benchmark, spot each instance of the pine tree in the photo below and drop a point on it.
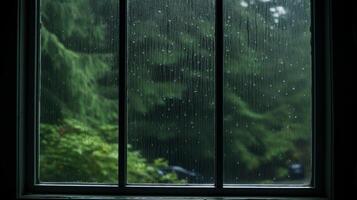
(171, 79)
(79, 96)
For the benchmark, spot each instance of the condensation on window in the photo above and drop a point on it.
(171, 72)
(267, 92)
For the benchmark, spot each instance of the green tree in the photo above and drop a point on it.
(267, 85)
(79, 95)
(267, 81)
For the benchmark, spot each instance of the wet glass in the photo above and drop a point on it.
(78, 93)
(171, 77)
(171, 68)
(267, 92)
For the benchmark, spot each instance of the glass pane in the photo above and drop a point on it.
(78, 91)
(171, 90)
(267, 92)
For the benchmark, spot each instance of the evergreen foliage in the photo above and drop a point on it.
(267, 115)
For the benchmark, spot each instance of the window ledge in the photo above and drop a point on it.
(163, 197)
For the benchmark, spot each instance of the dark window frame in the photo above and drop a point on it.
(27, 104)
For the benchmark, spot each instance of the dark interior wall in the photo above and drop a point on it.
(8, 99)
(344, 60)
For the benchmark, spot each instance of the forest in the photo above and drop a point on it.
(267, 87)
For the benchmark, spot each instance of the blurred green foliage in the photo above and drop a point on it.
(79, 92)
(74, 152)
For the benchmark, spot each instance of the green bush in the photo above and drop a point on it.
(75, 152)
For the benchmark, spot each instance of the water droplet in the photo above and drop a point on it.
(244, 4)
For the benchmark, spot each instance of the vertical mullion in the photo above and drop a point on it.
(219, 95)
(37, 78)
(122, 95)
(31, 94)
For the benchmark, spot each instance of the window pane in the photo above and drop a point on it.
(78, 91)
(267, 92)
(171, 89)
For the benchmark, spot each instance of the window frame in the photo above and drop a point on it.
(27, 104)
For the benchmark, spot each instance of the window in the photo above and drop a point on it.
(169, 97)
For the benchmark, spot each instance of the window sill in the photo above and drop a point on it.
(163, 197)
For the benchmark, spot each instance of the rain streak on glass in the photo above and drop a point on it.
(267, 92)
(171, 88)
(78, 94)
